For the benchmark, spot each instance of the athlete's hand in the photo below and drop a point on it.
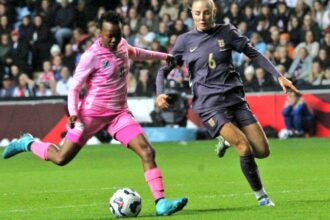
(161, 101)
(71, 120)
(170, 60)
(287, 85)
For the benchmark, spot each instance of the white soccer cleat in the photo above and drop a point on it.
(221, 146)
(265, 201)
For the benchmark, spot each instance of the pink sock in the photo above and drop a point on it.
(40, 149)
(155, 182)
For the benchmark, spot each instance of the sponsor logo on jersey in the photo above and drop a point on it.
(105, 64)
(221, 43)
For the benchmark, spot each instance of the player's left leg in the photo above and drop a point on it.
(259, 143)
(132, 136)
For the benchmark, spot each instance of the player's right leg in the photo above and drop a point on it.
(131, 135)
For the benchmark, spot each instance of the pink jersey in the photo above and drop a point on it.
(105, 74)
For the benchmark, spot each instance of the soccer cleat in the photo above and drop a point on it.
(168, 207)
(265, 201)
(221, 146)
(18, 146)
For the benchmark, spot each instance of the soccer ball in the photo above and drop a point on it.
(125, 202)
(283, 134)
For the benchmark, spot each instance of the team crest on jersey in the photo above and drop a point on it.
(221, 43)
(211, 122)
(105, 64)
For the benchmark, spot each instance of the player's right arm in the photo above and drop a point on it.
(177, 52)
(84, 68)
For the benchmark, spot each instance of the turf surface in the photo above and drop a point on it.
(296, 177)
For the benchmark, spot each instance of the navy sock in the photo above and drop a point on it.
(251, 173)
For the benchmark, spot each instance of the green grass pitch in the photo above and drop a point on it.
(296, 177)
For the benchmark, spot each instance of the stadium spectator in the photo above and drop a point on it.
(57, 65)
(300, 9)
(234, 15)
(5, 27)
(281, 57)
(316, 75)
(18, 53)
(323, 58)
(92, 30)
(155, 6)
(144, 86)
(310, 25)
(47, 12)
(263, 81)
(162, 35)
(4, 47)
(7, 88)
(250, 19)
(77, 37)
(297, 117)
(218, 96)
(150, 20)
(249, 78)
(326, 79)
(258, 42)
(326, 42)
(309, 43)
(15, 72)
(300, 67)
(133, 20)
(43, 90)
(47, 75)
(128, 35)
(131, 83)
(25, 87)
(318, 13)
(178, 28)
(63, 85)
(144, 37)
(171, 8)
(41, 42)
(104, 106)
(69, 57)
(294, 30)
(64, 22)
(282, 16)
(184, 16)
(25, 29)
(285, 42)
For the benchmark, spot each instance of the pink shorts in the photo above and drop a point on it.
(122, 127)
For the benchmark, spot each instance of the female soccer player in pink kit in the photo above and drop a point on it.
(104, 68)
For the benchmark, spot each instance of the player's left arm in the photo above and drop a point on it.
(264, 62)
(242, 44)
(82, 71)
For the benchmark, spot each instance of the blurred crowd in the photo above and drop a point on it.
(42, 41)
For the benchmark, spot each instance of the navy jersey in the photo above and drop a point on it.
(207, 55)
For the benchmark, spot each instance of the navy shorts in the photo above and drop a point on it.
(239, 114)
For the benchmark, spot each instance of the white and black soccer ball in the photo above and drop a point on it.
(125, 202)
(283, 134)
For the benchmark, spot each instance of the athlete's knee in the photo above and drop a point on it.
(61, 160)
(263, 153)
(242, 145)
(147, 153)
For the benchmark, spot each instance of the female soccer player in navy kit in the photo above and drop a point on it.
(218, 95)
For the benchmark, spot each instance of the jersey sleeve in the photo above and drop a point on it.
(237, 41)
(84, 68)
(178, 50)
(136, 53)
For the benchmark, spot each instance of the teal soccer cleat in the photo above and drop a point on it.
(221, 146)
(18, 146)
(168, 207)
(265, 201)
